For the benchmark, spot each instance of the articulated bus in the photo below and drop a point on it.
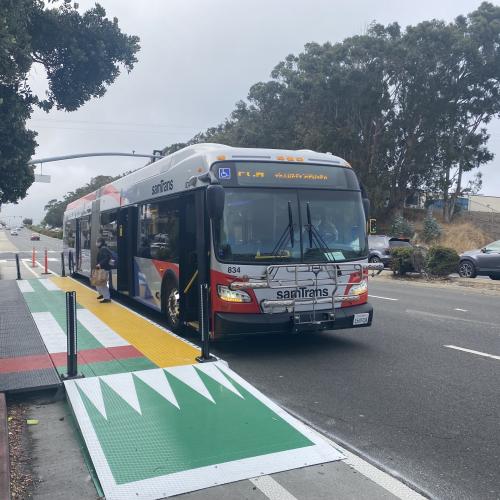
(278, 238)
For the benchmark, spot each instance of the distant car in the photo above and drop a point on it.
(35, 237)
(380, 247)
(481, 262)
(14, 232)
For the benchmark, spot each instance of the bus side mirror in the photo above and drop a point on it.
(366, 207)
(215, 201)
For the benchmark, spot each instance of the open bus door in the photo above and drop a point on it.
(126, 247)
(188, 262)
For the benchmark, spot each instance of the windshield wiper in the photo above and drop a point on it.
(315, 236)
(289, 232)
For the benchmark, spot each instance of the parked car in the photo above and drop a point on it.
(380, 247)
(14, 232)
(35, 237)
(481, 262)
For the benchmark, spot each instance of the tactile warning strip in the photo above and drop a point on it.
(24, 361)
(162, 348)
(163, 432)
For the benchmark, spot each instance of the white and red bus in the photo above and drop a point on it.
(278, 236)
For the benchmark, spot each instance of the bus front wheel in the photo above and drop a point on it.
(172, 306)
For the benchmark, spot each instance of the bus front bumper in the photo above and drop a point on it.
(233, 324)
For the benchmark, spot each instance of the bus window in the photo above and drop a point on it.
(85, 233)
(159, 231)
(108, 229)
(70, 233)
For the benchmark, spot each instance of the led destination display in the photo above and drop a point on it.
(285, 175)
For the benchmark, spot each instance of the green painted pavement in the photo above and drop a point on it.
(165, 439)
(43, 300)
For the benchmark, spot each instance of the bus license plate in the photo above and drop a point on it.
(361, 319)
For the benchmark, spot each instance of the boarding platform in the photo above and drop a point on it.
(155, 422)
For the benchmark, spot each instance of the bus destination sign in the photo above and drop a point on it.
(285, 175)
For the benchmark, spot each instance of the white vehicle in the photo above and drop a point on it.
(14, 232)
(278, 236)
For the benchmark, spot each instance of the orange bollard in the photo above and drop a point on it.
(33, 258)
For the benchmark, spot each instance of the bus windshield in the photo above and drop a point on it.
(290, 225)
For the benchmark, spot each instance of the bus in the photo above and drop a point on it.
(277, 238)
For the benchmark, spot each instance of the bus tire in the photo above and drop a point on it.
(171, 303)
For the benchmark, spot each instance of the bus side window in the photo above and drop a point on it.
(159, 231)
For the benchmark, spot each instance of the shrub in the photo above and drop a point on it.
(407, 259)
(402, 227)
(441, 261)
(432, 230)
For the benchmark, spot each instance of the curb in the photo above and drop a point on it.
(4, 450)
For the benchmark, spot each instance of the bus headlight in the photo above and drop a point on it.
(232, 295)
(360, 288)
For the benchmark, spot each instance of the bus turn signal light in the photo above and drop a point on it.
(232, 295)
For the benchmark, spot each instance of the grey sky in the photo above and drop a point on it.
(198, 58)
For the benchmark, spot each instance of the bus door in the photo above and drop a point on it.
(188, 266)
(126, 247)
(95, 224)
(75, 261)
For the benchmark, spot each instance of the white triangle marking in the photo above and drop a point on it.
(91, 387)
(213, 372)
(157, 380)
(188, 375)
(123, 385)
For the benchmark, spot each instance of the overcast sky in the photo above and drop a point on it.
(198, 58)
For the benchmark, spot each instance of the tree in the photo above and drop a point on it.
(81, 53)
(55, 208)
(407, 108)
(28, 221)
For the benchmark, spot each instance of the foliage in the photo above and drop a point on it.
(431, 230)
(402, 227)
(28, 221)
(81, 55)
(441, 261)
(407, 259)
(407, 108)
(55, 208)
(401, 261)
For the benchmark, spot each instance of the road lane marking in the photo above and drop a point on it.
(461, 310)
(471, 351)
(48, 269)
(383, 298)
(447, 318)
(52, 334)
(271, 488)
(29, 268)
(25, 286)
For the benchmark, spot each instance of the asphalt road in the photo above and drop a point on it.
(25, 248)
(394, 392)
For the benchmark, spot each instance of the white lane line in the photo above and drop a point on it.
(453, 318)
(29, 268)
(471, 351)
(271, 488)
(25, 286)
(461, 310)
(50, 270)
(52, 334)
(49, 285)
(99, 330)
(383, 298)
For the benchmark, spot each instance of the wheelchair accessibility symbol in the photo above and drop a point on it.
(224, 173)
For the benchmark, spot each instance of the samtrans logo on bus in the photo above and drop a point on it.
(302, 293)
(162, 187)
